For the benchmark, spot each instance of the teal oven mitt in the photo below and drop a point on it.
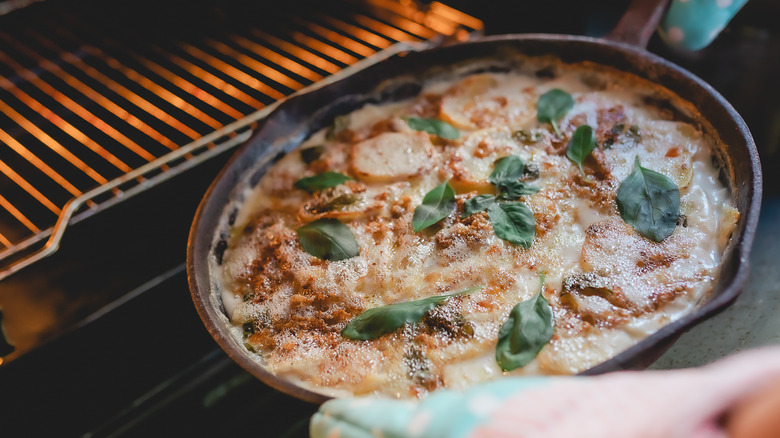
(685, 403)
(444, 413)
(693, 24)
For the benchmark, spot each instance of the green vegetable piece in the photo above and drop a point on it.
(312, 154)
(552, 106)
(248, 329)
(634, 135)
(433, 126)
(526, 331)
(513, 222)
(649, 202)
(517, 189)
(527, 137)
(476, 204)
(507, 170)
(379, 321)
(322, 181)
(531, 172)
(328, 239)
(436, 205)
(581, 145)
(506, 175)
(339, 125)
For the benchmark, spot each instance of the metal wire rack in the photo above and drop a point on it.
(94, 110)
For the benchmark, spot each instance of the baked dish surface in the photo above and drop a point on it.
(499, 223)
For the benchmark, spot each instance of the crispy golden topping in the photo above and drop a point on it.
(607, 286)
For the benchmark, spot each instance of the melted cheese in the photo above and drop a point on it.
(297, 305)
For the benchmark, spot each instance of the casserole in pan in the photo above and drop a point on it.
(401, 77)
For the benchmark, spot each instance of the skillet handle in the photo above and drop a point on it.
(638, 23)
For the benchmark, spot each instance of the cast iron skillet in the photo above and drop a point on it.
(284, 129)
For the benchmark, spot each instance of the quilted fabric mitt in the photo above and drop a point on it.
(688, 403)
(693, 24)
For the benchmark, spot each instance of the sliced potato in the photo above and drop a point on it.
(478, 102)
(638, 266)
(728, 221)
(594, 300)
(460, 100)
(474, 163)
(666, 147)
(391, 156)
(674, 143)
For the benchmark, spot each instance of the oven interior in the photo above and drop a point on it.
(114, 119)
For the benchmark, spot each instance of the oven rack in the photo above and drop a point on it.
(168, 107)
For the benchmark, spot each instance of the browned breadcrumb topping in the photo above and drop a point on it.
(597, 295)
(426, 106)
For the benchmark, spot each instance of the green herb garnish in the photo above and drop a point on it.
(476, 204)
(649, 202)
(322, 181)
(512, 221)
(526, 331)
(379, 321)
(581, 145)
(328, 239)
(507, 170)
(433, 126)
(506, 177)
(552, 106)
(634, 133)
(339, 125)
(436, 205)
(528, 137)
(517, 189)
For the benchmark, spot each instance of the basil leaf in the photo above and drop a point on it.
(322, 181)
(328, 239)
(649, 202)
(476, 204)
(581, 145)
(552, 106)
(433, 126)
(513, 222)
(517, 189)
(379, 321)
(526, 331)
(436, 205)
(507, 171)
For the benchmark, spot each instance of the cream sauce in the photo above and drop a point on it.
(395, 264)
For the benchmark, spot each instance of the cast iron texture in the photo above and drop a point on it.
(302, 115)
